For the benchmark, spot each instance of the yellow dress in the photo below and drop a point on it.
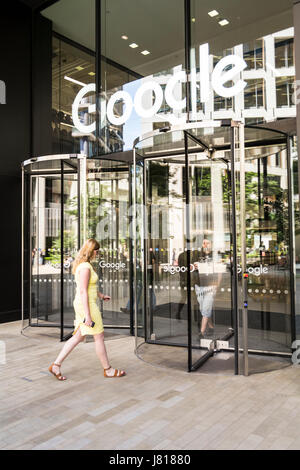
(94, 310)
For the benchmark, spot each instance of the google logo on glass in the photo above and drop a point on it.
(227, 69)
(115, 266)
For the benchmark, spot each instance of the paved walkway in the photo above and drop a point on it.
(150, 408)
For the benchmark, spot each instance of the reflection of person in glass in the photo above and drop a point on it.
(206, 291)
(174, 257)
(182, 263)
(153, 273)
(140, 284)
(88, 320)
(33, 253)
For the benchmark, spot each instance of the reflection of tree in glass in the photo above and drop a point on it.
(296, 196)
(201, 181)
(267, 209)
(160, 176)
(278, 208)
(226, 186)
(110, 211)
(70, 245)
(93, 217)
(295, 179)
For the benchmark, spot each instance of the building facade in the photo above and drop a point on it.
(100, 76)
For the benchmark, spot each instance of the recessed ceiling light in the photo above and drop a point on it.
(70, 79)
(79, 68)
(65, 124)
(213, 13)
(92, 73)
(145, 52)
(133, 45)
(223, 22)
(124, 37)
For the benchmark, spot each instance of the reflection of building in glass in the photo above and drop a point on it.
(46, 222)
(268, 95)
(72, 69)
(266, 204)
(270, 76)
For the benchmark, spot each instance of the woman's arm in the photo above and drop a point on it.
(84, 279)
(103, 296)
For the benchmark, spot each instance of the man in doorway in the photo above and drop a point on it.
(182, 261)
(153, 273)
(209, 280)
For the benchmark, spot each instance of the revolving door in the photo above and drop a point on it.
(214, 271)
(67, 199)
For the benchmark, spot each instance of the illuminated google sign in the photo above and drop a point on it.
(227, 69)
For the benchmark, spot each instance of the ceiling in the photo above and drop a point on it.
(158, 26)
(37, 4)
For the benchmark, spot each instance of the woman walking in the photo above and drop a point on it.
(88, 320)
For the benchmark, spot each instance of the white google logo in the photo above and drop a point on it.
(116, 266)
(227, 69)
(178, 269)
(256, 271)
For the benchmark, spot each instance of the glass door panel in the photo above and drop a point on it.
(210, 231)
(108, 202)
(165, 251)
(268, 249)
(137, 232)
(187, 244)
(71, 244)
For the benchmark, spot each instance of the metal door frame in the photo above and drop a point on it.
(26, 267)
(233, 257)
(234, 280)
(237, 143)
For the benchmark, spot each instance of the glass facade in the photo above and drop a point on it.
(191, 224)
(126, 69)
(147, 76)
(71, 68)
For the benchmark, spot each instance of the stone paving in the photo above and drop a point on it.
(151, 408)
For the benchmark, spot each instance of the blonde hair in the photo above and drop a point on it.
(86, 253)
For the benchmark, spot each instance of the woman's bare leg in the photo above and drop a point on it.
(67, 349)
(204, 324)
(102, 353)
(207, 307)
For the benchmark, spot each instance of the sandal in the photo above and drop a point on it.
(58, 376)
(118, 373)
